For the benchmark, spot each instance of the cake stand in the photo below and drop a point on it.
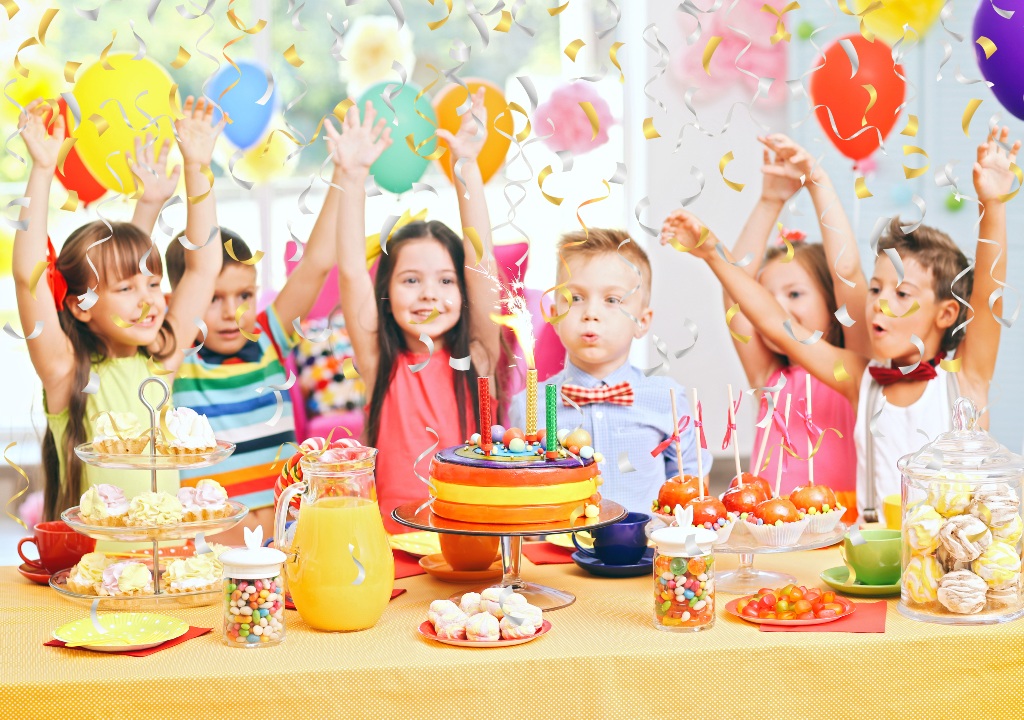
(149, 533)
(419, 516)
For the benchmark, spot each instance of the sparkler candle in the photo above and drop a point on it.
(552, 419)
(531, 405)
(484, 391)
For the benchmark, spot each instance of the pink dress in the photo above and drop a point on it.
(414, 402)
(835, 464)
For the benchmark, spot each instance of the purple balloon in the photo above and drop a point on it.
(1004, 68)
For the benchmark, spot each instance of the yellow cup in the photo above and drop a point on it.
(892, 511)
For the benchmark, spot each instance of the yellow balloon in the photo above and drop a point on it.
(7, 252)
(44, 81)
(255, 166)
(103, 136)
(887, 21)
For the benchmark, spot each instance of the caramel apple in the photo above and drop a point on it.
(806, 497)
(749, 479)
(744, 498)
(771, 511)
(676, 491)
(707, 511)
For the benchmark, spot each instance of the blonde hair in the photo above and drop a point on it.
(603, 241)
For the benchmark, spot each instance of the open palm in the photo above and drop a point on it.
(992, 174)
(360, 142)
(151, 171)
(196, 132)
(469, 140)
(43, 148)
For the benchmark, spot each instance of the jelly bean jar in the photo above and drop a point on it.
(684, 579)
(962, 527)
(253, 594)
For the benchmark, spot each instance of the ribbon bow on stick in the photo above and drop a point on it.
(684, 422)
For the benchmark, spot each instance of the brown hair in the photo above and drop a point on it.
(175, 254)
(812, 257)
(600, 241)
(116, 258)
(935, 251)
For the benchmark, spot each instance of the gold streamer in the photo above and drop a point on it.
(525, 132)
(100, 122)
(342, 108)
(438, 23)
(910, 172)
(965, 121)
(839, 372)
(230, 250)
(65, 148)
(22, 70)
(726, 159)
(573, 48)
(558, 10)
(155, 368)
(292, 56)
(15, 466)
(872, 99)
(70, 68)
(579, 219)
(883, 305)
(12, 8)
(649, 130)
(504, 23)
(540, 183)
(348, 369)
(242, 309)
(103, 53)
(709, 50)
(474, 238)
(430, 318)
(183, 57)
(33, 281)
(780, 27)
(861, 189)
(704, 232)
(1020, 179)
(911, 129)
(729, 315)
(437, 152)
(595, 122)
(564, 292)
(424, 91)
(71, 204)
(51, 13)
(613, 54)
(208, 173)
(121, 323)
(987, 45)
(951, 365)
(239, 24)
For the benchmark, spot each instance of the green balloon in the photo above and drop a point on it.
(398, 167)
(952, 203)
(805, 29)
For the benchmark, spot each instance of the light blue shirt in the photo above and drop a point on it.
(625, 435)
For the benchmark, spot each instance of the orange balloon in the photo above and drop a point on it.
(492, 156)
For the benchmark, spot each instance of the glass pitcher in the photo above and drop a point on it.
(340, 570)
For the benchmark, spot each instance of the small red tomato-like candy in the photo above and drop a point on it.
(769, 600)
(828, 596)
(825, 613)
(801, 606)
(805, 616)
(750, 610)
(511, 434)
(765, 613)
(838, 607)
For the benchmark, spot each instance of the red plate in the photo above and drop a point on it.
(427, 631)
(730, 608)
(30, 572)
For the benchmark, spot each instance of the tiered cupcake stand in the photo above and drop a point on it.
(152, 533)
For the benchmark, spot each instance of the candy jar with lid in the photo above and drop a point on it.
(253, 593)
(684, 576)
(962, 527)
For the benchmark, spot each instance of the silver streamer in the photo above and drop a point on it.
(625, 466)
(843, 316)
(204, 331)
(36, 330)
(461, 364)
(360, 570)
(426, 340)
(916, 342)
(93, 386)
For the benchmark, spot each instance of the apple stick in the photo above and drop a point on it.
(735, 437)
(782, 448)
(700, 451)
(810, 443)
(675, 429)
(756, 469)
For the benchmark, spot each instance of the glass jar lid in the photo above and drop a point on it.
(965, 453)
(252, 561)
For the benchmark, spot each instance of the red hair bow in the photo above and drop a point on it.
(54, 279)
(794, 236)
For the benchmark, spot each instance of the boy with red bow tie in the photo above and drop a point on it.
(915, 316)
(608, 279)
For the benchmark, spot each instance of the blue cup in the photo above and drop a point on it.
(623, 543)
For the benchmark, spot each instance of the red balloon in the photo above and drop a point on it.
(76, 175)
(833, 89)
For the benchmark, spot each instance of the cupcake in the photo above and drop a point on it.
(192, 574)
(999, 566)
(151, 508)
(206, 501)
(185, 432)
(777, 523)
(104, 504)
(483, 627)
(962, 592)
(921, 578)
(118, 433)
(86, 576)
(949, 498)
(126, 578)
(921, 529)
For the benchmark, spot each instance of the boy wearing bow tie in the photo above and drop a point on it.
(608, 278)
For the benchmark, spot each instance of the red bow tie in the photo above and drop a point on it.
(617, 394)
(888, 376)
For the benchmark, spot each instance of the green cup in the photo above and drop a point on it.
(876, 561)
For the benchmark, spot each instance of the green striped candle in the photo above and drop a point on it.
(551, 426)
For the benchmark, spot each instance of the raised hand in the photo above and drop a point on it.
(151, 172)
(684, 231)
(42, 147)
(469, 140)
(992, 174)
(359, 143)
(196, 132)
(786, 168)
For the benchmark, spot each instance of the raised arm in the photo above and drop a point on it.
(150, 170)
(50, 351)
(992, 180)
(481, 285)
(196, 137)
(768, 317)
(354, 150)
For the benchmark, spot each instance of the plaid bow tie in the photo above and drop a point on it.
(618, 394)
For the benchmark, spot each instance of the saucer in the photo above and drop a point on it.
(836, 578)
(437, 566)
(34, 574)
(596, 567)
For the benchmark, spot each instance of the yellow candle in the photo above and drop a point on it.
(531, 403)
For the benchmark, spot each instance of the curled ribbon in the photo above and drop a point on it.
(684, 422)
(418, 460)
(21, 492)
(730, 428)
(698, 425)
(814, 432)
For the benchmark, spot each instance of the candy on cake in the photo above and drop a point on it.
(118, 433)
(949, 498)
(104, 504)
(921, 578)
(86, 576)
(1010, 533)
(995, 505)
(964, 537)
(154, 508)
(483, 627)
(126, 578)
(921, 529)
(206, 501)
(184, 432)
(962, 592)
(999, 566)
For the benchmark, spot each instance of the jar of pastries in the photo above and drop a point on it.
(962, 527)
(684, 579)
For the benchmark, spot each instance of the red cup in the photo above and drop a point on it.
(58, 545)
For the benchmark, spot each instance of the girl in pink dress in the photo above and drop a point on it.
(421, 330)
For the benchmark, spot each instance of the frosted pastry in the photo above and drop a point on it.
(470, 603)
(995, 505)
(192, 574)
(151, 508)
(86, 576)
(118, 433)
(1006, 596)
(999, 566)
(452, 629)
(962, 592)
(921, 528)
(497, 601)
(949, 498)
(104, 504)
(443, 609)
(921, 578)
(1010, 532)
(185, 432)
(126, 578)
(964, 537)
(948, 563)
(483, 627)
(206, 501)
(512, 631)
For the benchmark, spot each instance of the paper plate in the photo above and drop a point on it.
(418, 543)
(730, 608)
(427, 631)
(123, 631)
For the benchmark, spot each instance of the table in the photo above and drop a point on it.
(602, 658)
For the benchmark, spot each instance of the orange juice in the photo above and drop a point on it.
(322, 577)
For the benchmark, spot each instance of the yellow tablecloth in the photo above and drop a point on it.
(602, 658)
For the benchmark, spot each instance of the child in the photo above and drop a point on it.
(610, 307)
(423, 311)
(802, 284)
(111, 319)
(914, 321)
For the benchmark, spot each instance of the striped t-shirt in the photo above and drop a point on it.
(226, 388)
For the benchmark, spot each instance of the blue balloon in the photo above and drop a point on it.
(249, 119)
